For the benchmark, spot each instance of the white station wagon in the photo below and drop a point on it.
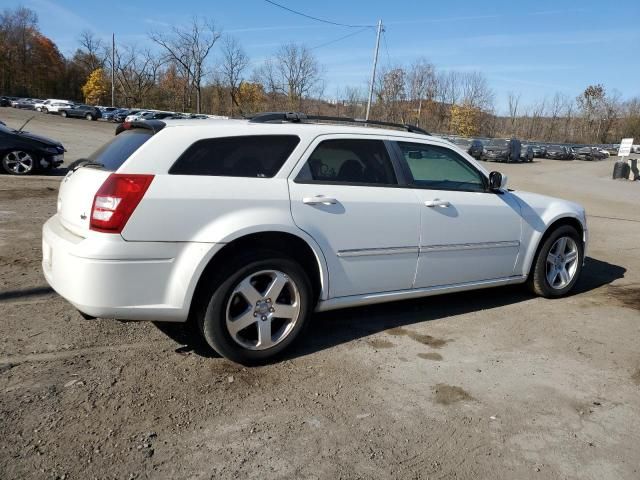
(248, 226)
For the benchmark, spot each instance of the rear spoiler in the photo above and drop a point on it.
(154, 125)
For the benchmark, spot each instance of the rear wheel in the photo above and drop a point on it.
(558, 263)
(88, 116)
(18, 162)
(45, 110)
(63, 114)
(256, 307)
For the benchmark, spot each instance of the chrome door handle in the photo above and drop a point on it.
(319, 200)
(436, 202)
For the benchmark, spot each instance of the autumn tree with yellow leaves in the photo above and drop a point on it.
(95, 88)
(465, 120)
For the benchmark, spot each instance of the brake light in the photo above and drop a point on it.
(116, 200)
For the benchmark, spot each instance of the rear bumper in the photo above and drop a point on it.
(105, 276)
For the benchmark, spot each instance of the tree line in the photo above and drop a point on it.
(195, 68)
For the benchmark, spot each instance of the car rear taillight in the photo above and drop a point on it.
(116, 200)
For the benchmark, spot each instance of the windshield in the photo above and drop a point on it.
(498, 143)
(114, 153)
(554, 148)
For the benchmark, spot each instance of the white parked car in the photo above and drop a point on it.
(55, 107)
(44, 105)
(248, 226)
(137, 116)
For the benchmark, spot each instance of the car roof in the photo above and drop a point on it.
(285, 128)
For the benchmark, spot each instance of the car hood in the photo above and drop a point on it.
(38, 138)
(536, 206)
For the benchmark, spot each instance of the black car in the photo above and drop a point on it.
(22, 153)
(81, 111)
(590, 153)
(25, 103)
(475, 149)
(526, 153)
(5, 101)
(539, 151)
(501, 150)
(559, 152)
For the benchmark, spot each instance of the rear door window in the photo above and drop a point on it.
(349, 162)
(114, 153)
(259, 156)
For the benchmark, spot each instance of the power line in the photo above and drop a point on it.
(339, 39)
(386, 47)
(316, 18)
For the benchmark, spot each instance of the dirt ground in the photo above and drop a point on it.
(490, 384)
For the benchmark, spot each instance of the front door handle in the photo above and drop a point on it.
(436, 202)
(319, 200)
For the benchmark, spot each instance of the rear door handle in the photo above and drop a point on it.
(319, 200)
(436, 202)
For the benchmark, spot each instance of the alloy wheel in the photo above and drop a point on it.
(263, 309)
(18, 162)
(562, 262)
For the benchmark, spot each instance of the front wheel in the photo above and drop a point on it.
(558, 263)
(19, 162)
(88, 116)
(256, 308)
(63, 114)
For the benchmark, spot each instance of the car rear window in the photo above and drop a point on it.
(258, 156)
(114, 153)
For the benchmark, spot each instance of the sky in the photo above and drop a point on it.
(533, 49)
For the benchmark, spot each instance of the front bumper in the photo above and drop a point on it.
(105, 276)
(54, 160)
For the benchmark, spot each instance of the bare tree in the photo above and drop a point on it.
(421, 86)
(189, 47)
(293, 71)
(234, 64)
(354, 101)
(514, 101)
(92, 53)
(136, 73)
(475, 90)
(391, 94)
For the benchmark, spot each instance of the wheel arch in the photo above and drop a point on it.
(299, 246)
(556, 223)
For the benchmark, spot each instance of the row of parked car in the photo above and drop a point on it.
(67, 108)
(513, 150)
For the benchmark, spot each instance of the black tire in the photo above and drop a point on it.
(45, 110)
(211, 316)
(537, 280)
(63, 114)
(621, 170)
(88, 116)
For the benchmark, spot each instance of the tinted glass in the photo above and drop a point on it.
(440, 168)
(258, 156)
(498, 143)
(114, 153)
(349, 161)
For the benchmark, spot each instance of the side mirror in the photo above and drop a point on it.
(497, 181)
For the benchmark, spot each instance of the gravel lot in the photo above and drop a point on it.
(490, 384)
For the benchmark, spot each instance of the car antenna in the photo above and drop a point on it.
(25, 123)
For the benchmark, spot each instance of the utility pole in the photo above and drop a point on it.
(373, 71)
(113, 69)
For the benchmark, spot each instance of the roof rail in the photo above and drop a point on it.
(299, 117)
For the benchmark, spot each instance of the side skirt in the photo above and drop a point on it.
(382, 297)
